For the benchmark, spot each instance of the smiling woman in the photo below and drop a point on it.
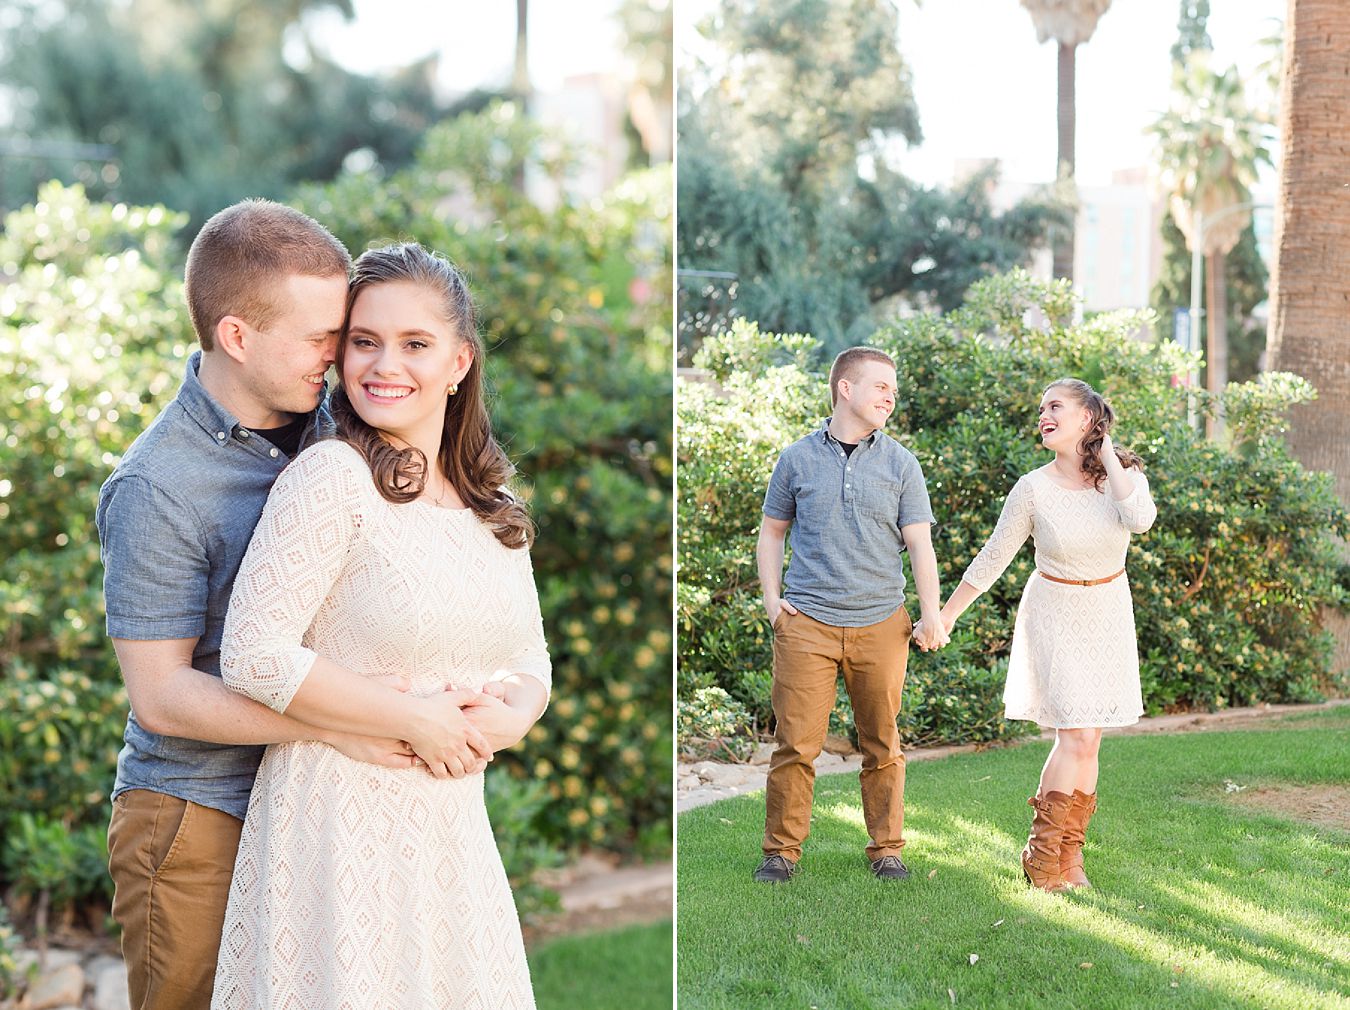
(394, 550)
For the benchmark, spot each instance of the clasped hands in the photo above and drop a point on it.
(931, 635)
(456, 733)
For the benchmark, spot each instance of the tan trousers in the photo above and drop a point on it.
(171, 862)
(807, 658)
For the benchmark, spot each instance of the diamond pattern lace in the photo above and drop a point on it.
(1075, 660)
(359, 887)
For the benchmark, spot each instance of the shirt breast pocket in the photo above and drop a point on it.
(880, 499)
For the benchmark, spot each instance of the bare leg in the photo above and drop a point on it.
(1072, 763)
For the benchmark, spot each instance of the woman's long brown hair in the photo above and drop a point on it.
(469, 456)
(1100, 419)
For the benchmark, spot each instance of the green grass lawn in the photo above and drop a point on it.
(1199, 902)
(622, 969)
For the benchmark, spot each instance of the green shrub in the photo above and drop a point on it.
(575, 305)
(1226, 586)
(515, 807)
(575, 308)
(12, 979)
(712, 724)
(59, 740)
(54, 866)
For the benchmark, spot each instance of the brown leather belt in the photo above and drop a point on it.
(1082, 582)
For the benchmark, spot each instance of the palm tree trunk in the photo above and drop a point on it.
(1062, 248)
(1309, 314)
(1216, 335)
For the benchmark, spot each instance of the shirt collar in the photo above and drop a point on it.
(219, 423)
(829, 439)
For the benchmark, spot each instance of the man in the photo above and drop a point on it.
(854, 499)
(266, 288)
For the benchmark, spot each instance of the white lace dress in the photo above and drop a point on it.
(359, 887)
(1075, 660)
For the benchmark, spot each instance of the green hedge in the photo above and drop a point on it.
(1227, 585)
(576, 311)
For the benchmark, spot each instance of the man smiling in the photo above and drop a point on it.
(266, 288)
(854, 499)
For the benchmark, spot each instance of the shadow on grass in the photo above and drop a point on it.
(1197, 904)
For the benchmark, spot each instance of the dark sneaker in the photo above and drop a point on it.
(775, 870)
(890, 868)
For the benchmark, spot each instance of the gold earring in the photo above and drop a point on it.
(452, 389)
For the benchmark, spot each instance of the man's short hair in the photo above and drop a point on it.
(241, 255)
(848, 364)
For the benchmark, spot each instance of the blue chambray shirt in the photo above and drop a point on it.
(174, 520)
(846, 513)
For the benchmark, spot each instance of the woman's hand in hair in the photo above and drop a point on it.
(1107, 452)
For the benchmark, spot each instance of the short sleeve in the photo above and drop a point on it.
(779, 500)
(914, 504)
(1137, 511)
(1014, 525)
(156, 572)
(312, 517)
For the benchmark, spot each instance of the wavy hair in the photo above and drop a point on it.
(1100, 419)
(470, 457)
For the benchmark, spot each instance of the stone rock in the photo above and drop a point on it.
(690, 781)
(704, 769)
(57, 957)
(57, 988)
(763, 753)
(723, 775)
(826, 760)
(838, 745)
(110, 984)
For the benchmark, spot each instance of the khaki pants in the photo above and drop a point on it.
(807, 658)
(171, 861)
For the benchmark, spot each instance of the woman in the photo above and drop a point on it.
(390, 550)
(1075, 662)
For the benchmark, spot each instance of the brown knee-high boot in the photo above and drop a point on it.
(1071, 844)
(1040, 859)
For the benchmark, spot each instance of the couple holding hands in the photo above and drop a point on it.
(854, 499)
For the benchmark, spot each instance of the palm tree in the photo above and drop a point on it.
(1211, 145)
(1309, 322)
(1070, 23)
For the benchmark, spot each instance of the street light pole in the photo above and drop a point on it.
(1193, 337)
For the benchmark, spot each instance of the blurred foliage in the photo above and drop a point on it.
(53, 866)
(1227, 585)
(11, 942)
(199, 104)
(784, 180)
(575, 308)
(513, 801)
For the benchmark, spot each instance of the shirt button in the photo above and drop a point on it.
(243, 433)
(273, 453)
(220, 435)
(848, 485)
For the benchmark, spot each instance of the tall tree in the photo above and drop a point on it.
(1309, 321)
(648, 28)
(1192, 30)
(784, 184)
(1211, 145)
(1247, 276)
(1070, 23)
(198, 101)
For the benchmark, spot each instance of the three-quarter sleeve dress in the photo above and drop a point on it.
(358, 886)
(1075, 659)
